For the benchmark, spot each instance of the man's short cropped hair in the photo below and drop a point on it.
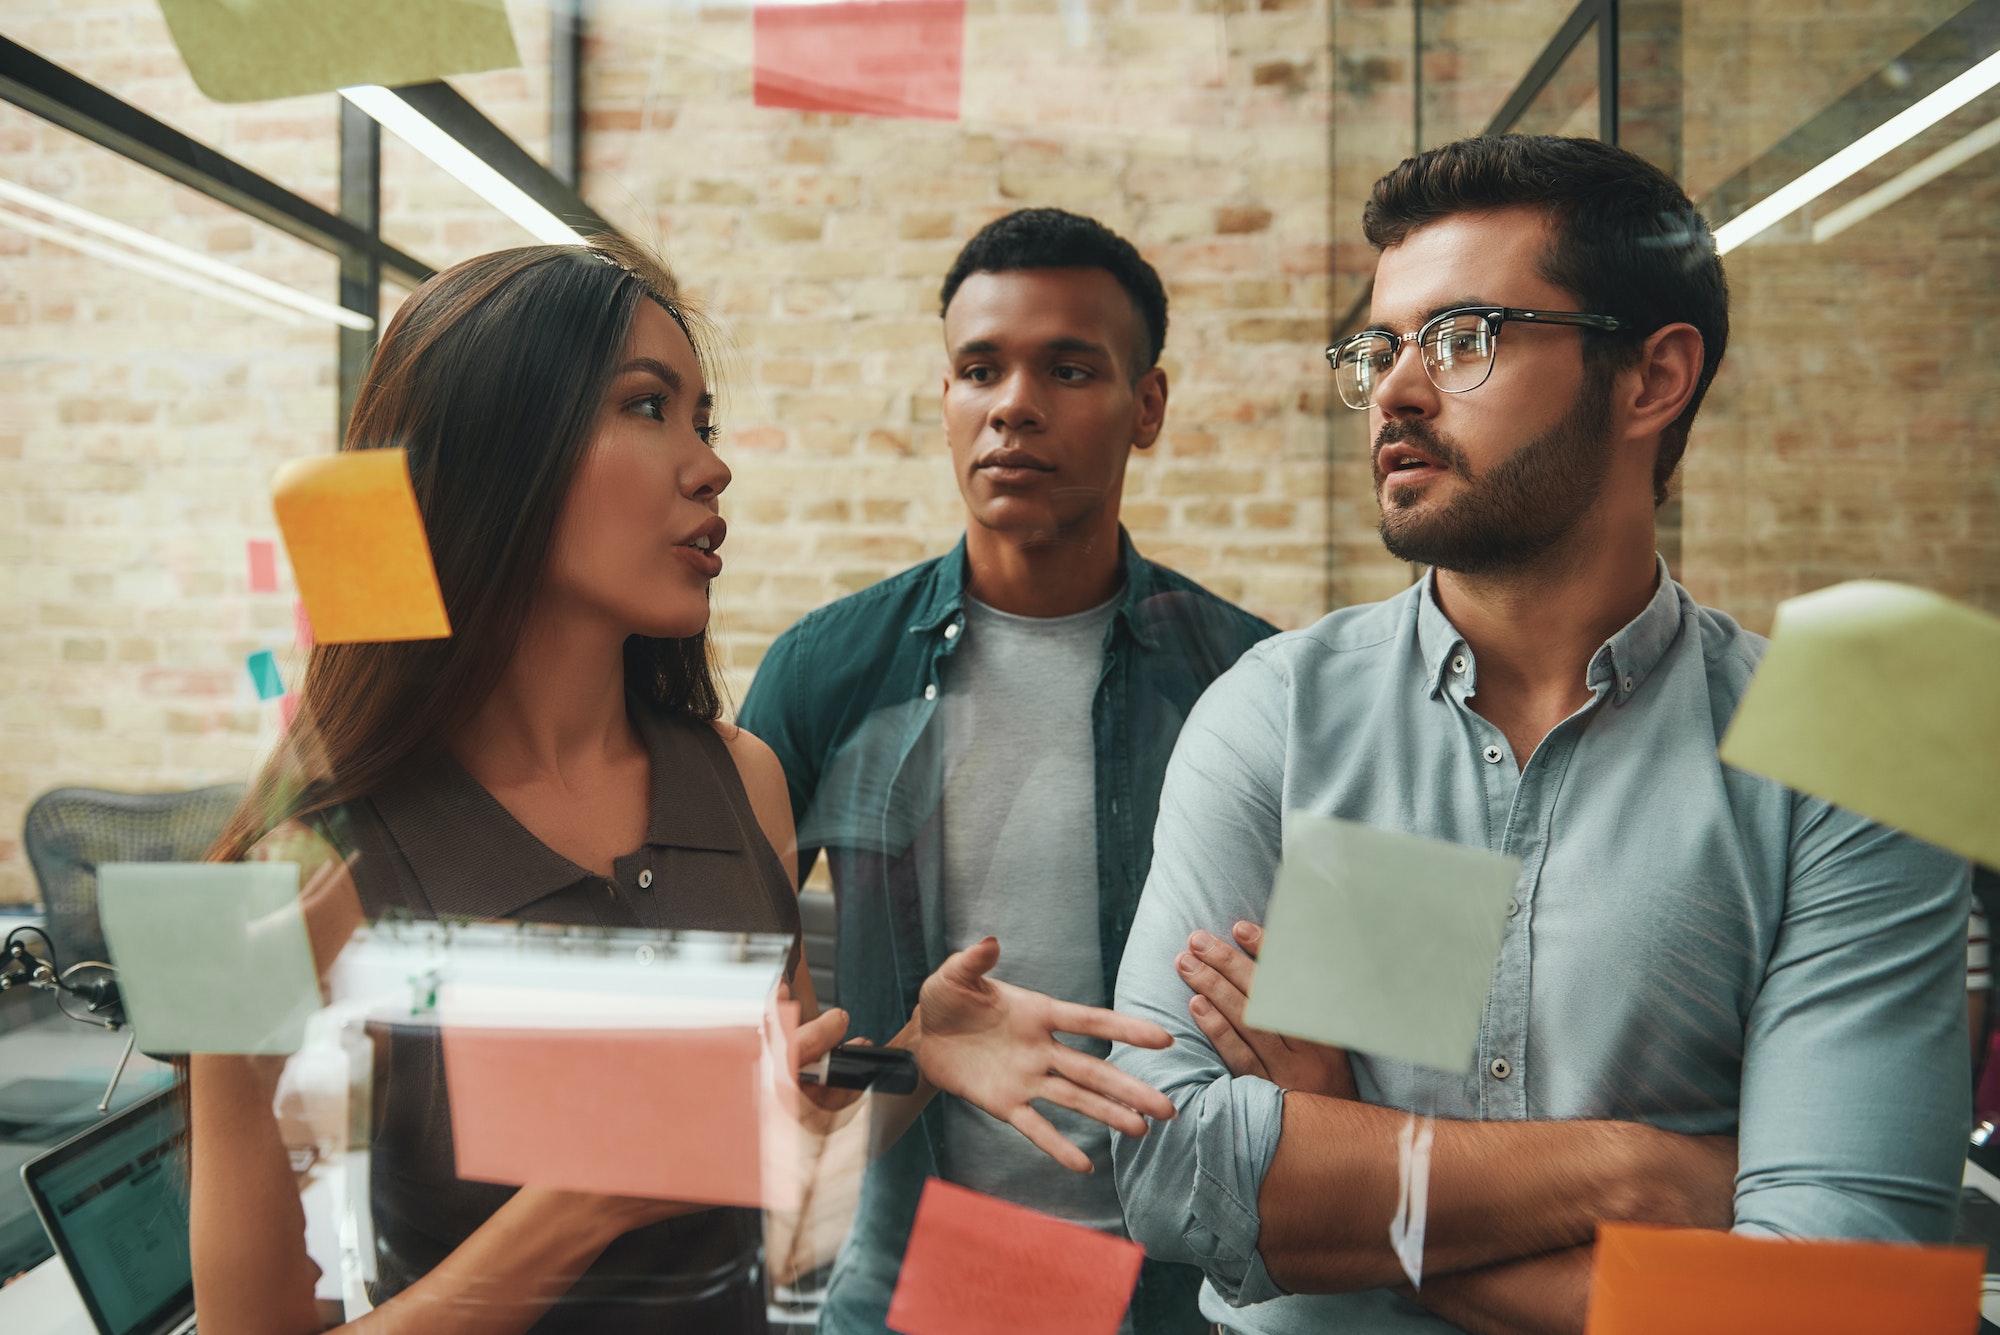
(1056, 239)
(1627, 240)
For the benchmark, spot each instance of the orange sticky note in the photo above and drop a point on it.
(1669, 1281)
(875, 57)
(681, 1114)
(358, 549)
(980, 1266)
(263, 557)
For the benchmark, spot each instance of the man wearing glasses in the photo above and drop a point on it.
(1718, 1003)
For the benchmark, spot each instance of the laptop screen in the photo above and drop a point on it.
(114, 1199)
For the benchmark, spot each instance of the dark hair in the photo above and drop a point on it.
(1628, 242)
(491, 377)
(1056, 239)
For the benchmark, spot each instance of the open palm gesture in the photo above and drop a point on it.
(994, 1045)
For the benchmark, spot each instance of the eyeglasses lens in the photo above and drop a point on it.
(1459, 353)
(1358, 364)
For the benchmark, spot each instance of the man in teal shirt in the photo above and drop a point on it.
(977, 746)
(1718, 1003)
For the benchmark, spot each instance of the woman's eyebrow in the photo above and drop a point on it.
(656, 368)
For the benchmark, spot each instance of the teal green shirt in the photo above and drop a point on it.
(1690, 946)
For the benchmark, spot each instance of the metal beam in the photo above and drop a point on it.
(566, 91)
(1607, 71)
(81, 107)
(360, 272)
(1546, 64)
(442, 105)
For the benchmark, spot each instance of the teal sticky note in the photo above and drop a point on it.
(1381, 942)
(211, 956)
(264, 674)
(1878, 697)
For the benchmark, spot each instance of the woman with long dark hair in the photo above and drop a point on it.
(558, 759)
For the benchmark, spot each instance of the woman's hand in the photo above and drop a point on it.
(994, 1045)
(1221, 978)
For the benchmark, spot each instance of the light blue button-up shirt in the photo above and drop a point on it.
(1690, 945)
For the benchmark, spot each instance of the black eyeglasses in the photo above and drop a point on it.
(1458, 348)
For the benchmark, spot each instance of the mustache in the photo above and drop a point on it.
(1416, 432)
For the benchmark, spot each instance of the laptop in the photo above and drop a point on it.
(114, 1200)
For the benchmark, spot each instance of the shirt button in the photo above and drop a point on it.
(1458, 664)
(1501, 1068)
(646, 879)
(930, 692)
(1628, 685)
(1513, 905)
(951, 631)
(1492, 754)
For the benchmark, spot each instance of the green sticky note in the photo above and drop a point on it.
(211, 956)
(257, 50)
(1381, 942)
(1880, 698)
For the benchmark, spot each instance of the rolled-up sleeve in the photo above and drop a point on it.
(1856, 1086)
(1189, 1186)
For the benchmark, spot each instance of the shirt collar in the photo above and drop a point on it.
(1618, 668)
(472, 858)
(946, 600)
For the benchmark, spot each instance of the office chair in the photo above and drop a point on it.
(69, 831)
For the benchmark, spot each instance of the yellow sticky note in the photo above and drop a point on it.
(1879, 697)
(266, 49)
(358, 550)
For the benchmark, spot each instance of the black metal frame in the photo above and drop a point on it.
(40, 86)
(1494, 318)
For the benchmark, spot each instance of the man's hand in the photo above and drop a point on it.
(994, 1045)
(1220, 977)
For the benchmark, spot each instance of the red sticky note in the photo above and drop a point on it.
(1664, 1281)
(980, 1266)
(263, 555)
(874, 57)
(302, 626)
(681, 1114)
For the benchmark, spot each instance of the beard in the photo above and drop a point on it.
(1518, 510)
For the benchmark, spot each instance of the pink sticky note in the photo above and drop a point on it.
(263, 554)
(302, 625)
(288, 708)
(669, 1113)
(980, 1266)
(875, 57)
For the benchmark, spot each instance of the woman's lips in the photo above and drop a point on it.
(706, 564)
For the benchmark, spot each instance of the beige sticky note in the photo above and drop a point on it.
(257, 50)
(1381, 941)
(357, 548)
(1879, 697)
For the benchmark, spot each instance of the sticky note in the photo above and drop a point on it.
(262, 555)
(1665, 1281)
(211, 956)
(358, 550)
(674, 1113)
(302, 626)
(288, 709)
(980, 1266)
(1879, 697)
(875, 57)
(255, 52)
(1380, 941)
(264, 674)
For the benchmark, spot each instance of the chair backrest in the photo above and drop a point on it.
(70, 831)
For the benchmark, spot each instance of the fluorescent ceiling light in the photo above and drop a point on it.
(478, 175)
(190, 260)
(1947, 159)
(1884, 138)
(153, 268)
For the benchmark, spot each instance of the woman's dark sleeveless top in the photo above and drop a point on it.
(434, 844)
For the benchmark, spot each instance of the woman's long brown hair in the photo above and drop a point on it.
(491, 377)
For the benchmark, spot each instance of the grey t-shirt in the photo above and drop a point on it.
(1020, 864)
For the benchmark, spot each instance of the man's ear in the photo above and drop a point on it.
(1665, 376)
(1151, 391)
